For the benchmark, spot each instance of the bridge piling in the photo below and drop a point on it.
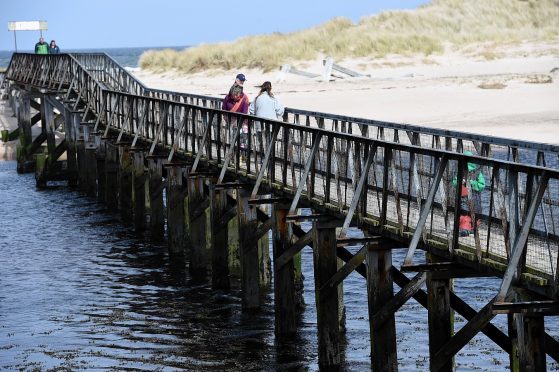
(219, 236)
(155, 195)
(139, 187)
(248, 247)
(125, 181)
(176, 193)
(100, 164)
(380, 291)
(285, 304)
(327, 299)
(25, 161)
(81, 164)
(71, 154)
(197, 222)
(440, 315)
(90, 159)
(111, 175)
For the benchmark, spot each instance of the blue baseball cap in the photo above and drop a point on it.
(241, 77)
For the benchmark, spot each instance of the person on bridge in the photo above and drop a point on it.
(237, 101)
(41, 47)
(265, 105)
(53, 48)
(470, 203)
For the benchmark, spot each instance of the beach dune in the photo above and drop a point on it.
(514, 96)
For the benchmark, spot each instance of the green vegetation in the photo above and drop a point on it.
(425, 31)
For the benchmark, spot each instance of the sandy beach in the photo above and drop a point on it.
(515, 95)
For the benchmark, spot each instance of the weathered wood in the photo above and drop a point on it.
(388, 310)
(440, 316)
(462, 337)
(24, 157)
(91, 170)
(125, 182)
(82, 164)
(176, 188)
(327, 306)
(72, 163)
(425, 210)
(379, 291)
(248, 246)
(531, 346)
(197, 204)
(342, 273)
(156, 209)
(111, 176)
(219, 238)
(285, 304)
(101, 174)
(139, 187)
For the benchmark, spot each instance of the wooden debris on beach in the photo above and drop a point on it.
(329, 65)
(290, 69)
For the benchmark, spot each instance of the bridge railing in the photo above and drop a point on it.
(402, 189)
(392, 187)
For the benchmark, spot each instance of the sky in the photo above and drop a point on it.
(78, 24)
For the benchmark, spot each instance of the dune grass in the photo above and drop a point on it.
(425, 31)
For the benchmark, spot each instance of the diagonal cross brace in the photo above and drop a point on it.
(228, 155)
(264, 166)
(302, 183)
(426, 210)
(520, 244)
(357, 193)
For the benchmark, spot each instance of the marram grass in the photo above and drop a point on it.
(423, 31)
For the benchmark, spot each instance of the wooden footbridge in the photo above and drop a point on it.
(173, 163)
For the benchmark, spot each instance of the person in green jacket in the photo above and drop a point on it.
(477, 185)
(41, 47)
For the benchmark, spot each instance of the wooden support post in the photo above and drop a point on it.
(380, 290)
(284, 277)
(25, 162)
(248, 246)
(139, 187)
(89, 162)
(219, 238)
(82, 164)
(197, 228)
(71, 137)
(264, 261)
(125, 182)
(101, 172)
(91, 169)
(440, 314)
(327, 303)
(176, 192)
(527, 334)
(531, 349)
(111, 176)
(156, 186)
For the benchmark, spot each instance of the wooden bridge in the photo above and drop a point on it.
(173, 163)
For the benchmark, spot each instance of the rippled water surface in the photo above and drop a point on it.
(79, 290)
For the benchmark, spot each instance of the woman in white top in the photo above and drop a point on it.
(265, 105)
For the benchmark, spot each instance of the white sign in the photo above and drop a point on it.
(27, 26)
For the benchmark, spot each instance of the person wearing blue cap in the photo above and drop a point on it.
(240, 79)
(237, 101)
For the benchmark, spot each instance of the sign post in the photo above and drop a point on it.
(27, 26)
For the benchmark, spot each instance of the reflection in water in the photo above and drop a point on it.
(79, 290)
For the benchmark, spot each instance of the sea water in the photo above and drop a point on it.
(126, 57)
(80, 290)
